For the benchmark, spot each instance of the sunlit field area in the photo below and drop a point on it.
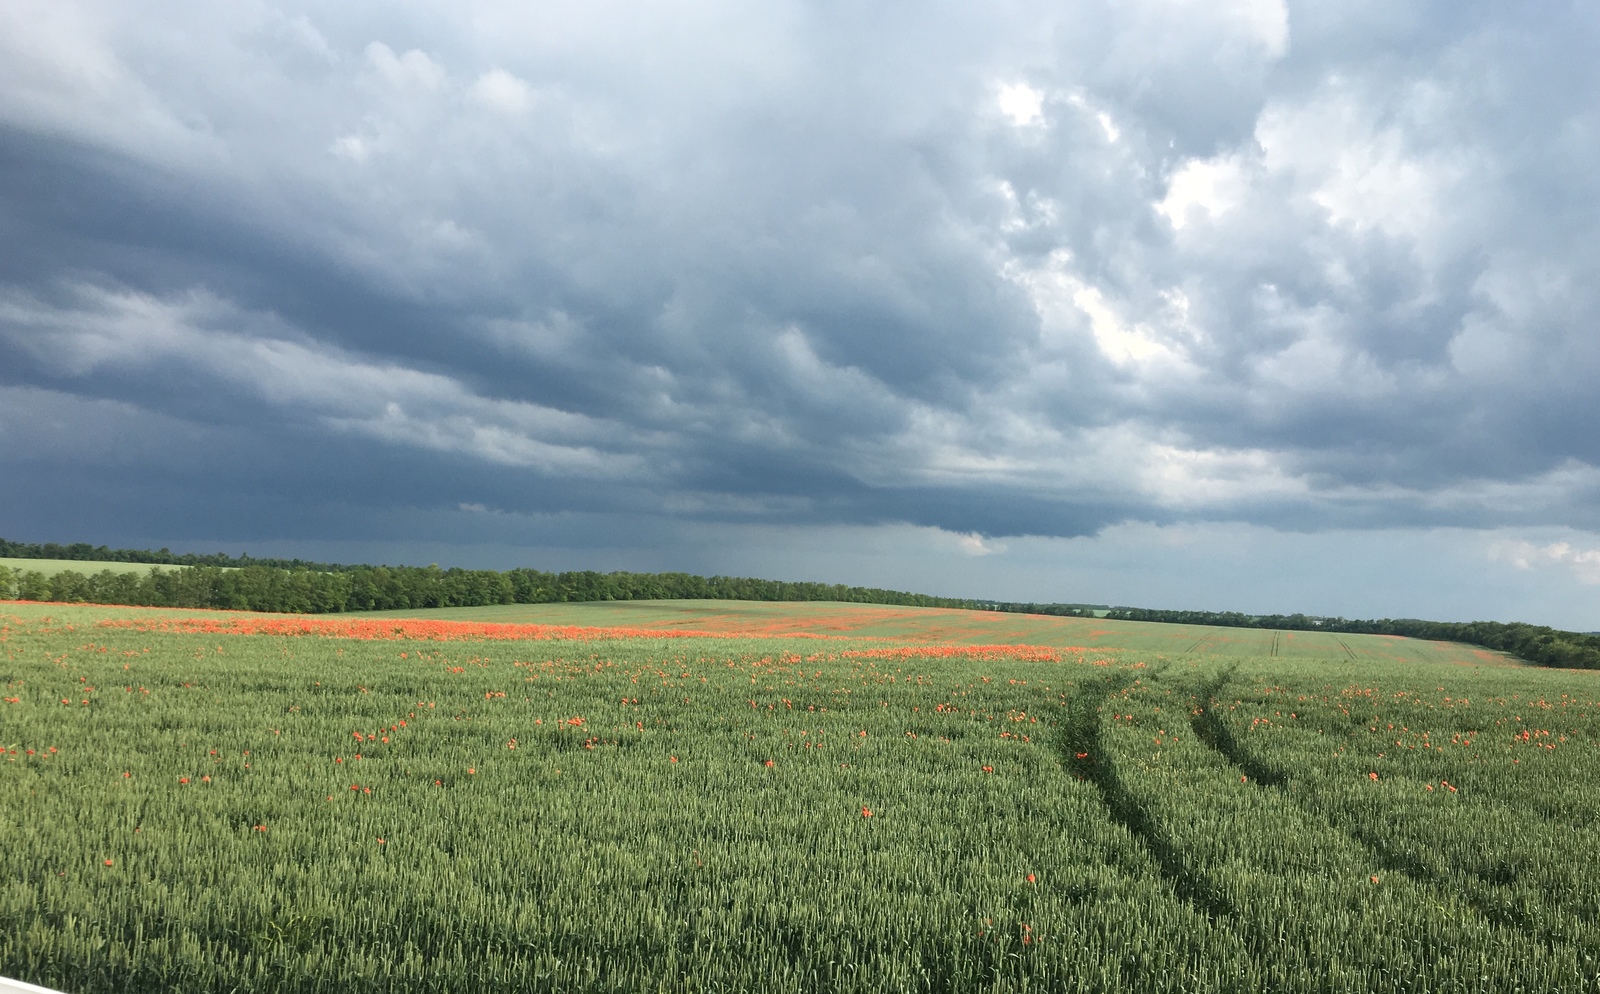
(924, 625)
(52, 566)
(716, 796)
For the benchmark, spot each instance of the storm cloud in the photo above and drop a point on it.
(431, 272)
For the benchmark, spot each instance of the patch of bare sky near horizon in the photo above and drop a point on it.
(1024, 270)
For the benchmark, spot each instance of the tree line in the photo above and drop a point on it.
(84, 552)
(391, 588)
(1534, 643)
(296, 586)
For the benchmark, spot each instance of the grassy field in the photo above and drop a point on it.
(50, 567)
(899, 801)
(920, 624)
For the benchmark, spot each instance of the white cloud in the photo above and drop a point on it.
(62, 75)
(1261, 23)
(1525, 555)
(306, 35)
(973, 544)
(1360, 168)
(1119, 341)
(503, 92)
(1103, 117)
(1029, 212)
(1063, 299)
(415, 68)
(1023, 104)
(355, 148)
(1214, 186)
(1266, 20)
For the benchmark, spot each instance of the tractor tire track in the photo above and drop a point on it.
(1211, 730)
(1214, 732)
(1085, 755)
(1202, 640)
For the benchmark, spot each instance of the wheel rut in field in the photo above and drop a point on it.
(1202, 640)
(1213, 731)
(1084, 754)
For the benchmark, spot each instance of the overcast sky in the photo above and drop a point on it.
(1198, 303)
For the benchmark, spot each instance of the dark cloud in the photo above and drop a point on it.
(1024, 270)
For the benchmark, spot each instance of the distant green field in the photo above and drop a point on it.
(51, 566)
(965, 628)
(360, 804)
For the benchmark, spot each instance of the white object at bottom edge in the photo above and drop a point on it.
(8, 986)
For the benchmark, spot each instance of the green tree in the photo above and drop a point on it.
(33, 585)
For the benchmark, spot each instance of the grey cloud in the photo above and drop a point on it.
(1249, 262)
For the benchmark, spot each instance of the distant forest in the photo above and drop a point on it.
(295, 586)
(1535, 643)
(84, 552)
